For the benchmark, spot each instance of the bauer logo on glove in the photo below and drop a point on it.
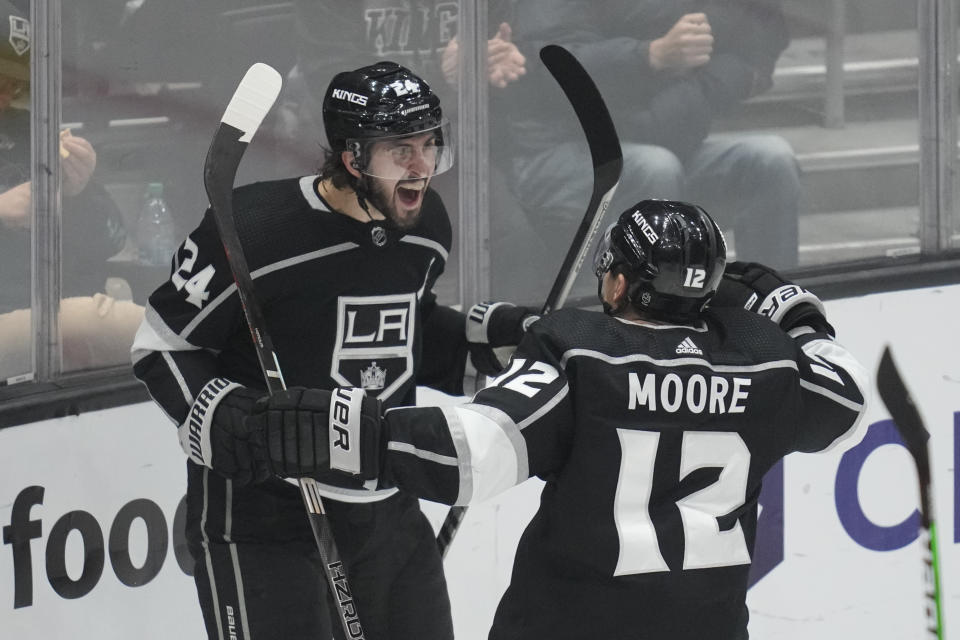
(783, 298)
(760, 289)
(345, 411)
(309, 432)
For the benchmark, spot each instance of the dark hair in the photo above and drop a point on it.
(334, 169)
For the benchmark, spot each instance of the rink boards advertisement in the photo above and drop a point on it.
(91, 513)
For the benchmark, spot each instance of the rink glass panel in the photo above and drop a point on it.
(844, 98)
(16, 212)
(146, 83)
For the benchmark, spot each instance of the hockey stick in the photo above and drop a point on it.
(252, 100)
(605, 155)
(915, 436)
(607, 160)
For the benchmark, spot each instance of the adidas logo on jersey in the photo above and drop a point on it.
(687, 346)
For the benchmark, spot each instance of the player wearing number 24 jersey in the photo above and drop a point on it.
(344, 266)
(652, 425)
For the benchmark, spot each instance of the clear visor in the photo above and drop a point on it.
(603, 256)
(406, 157)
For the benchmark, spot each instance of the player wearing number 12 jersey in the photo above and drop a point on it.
(652, 424)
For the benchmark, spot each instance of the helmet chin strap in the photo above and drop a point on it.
(365, 198)
(361, 192)
(360, 188)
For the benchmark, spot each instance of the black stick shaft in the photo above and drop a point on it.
(607, 159)
(220, 168)
(906, 417)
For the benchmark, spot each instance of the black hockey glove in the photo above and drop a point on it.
(216, 435)
(309, 432)
(494, 329)
(762, 290)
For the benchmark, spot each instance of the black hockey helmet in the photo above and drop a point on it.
(378, 102)
(672, 253)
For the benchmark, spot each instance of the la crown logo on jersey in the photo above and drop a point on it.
(688, 346)
(373, 377)
(374, 343)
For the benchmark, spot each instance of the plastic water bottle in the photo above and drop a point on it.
(156, 240)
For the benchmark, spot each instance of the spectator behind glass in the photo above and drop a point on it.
(418, 34)
(666, 70)
(96, 329)
(421, 35)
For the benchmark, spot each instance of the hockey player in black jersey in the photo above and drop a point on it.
(652, 424)
(344, 266)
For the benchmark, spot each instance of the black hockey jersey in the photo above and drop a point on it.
(653, 441)
(346, 303)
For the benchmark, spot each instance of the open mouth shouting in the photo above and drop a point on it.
(410, 192)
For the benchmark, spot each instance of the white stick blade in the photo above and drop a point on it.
(253, 99)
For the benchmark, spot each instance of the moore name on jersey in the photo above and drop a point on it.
(696, 392)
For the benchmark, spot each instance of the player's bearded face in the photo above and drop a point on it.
(399, 172)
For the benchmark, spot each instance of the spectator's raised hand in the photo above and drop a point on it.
(505, 63)
(77, 160)
(450, 61)
(687, 45)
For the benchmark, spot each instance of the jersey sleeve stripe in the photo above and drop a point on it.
(853, 434)
(163, 408)
(154, 335)
(426, 279)
(207, 310)
(856, 407)
(429, 456)
(462, 447)
(545, 408)
(262, 271)
(494, 463)
(833, 352)
(511, 430)
(303, 257)
(178, 376)
(428, 243)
